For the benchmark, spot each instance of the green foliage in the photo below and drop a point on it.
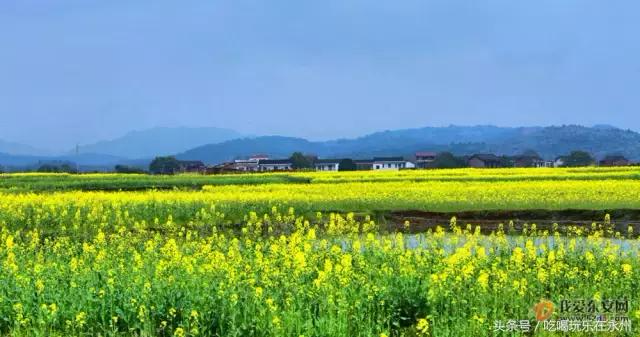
(347, 165)
(57, 168)
(300, 161)
(528, 158)
(265, 260)
(322, 276)
(164, 165)
(578, 158)
(33, 182)
(128, 169)
(20, 183)
(447, 160)
(530, 153)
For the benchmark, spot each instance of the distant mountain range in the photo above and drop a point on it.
(135, 148)
(549, 142)
(215, 145)
(19, 149)
(159, 141)
(397, 142)
(88, 161)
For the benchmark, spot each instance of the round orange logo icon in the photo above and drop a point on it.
(543, 310)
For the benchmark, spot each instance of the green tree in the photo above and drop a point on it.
(347, 165)
(55, 168)
(68, 168)
(48, 168)
(528, 158)
(447, 160)
(128, 169)
(530, 153)
(578, 158)
(164, 165)
(300, 161)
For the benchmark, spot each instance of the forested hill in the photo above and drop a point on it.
(549, 142)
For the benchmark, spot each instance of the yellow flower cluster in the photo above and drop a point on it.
(191, 283)
(292, 259)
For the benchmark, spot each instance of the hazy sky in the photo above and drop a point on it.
(82, 70)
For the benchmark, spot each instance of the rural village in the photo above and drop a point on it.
(420, 160)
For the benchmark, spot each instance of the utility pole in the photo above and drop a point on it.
(77, 158)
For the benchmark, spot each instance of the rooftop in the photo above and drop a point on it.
(614, 157)
(386, 159)
(191, 162)
(485, 156)
(425, 154)
(327, 161)
(526, 157)
(274, 161)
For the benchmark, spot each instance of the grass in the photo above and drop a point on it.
(21, 183)
(51, 182)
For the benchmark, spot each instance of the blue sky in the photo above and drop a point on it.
(75, 71)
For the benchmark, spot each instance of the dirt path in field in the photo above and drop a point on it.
(489, 221)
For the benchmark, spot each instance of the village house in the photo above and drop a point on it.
(424, 159)
(249, 165)
(484, 160)
(527, 161)
(544, 163)
(246, 165)
(227, 167)
(559, 162)
(391, 163)
(327, 164)
(275, 165)
(614, 160)
(364, 164)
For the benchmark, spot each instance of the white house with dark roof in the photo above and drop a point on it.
(275, 165)
(327, 164)
(246, 165)
(391, 163)
(249, 165)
